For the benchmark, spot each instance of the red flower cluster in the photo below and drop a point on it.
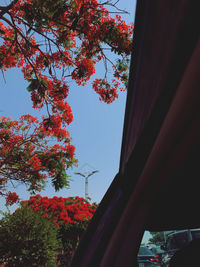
(35, 162)
(75, 33)
(11, 198)
(107, 94)
(85, 68)
(71, 210)
(53, 42)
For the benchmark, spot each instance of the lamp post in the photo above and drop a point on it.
(86, 175)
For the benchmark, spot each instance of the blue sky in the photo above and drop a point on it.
(96, 130)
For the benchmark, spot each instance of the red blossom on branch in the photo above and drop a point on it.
(53, 42)
(27, 157)
(71, 216)
(11, 198)
(75, 33)
(71, 210)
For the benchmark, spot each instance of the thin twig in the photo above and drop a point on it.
(3, 75)
(5, 9)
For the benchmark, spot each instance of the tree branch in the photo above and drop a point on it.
(5, 9)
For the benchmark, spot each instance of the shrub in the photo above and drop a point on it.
(27, 239)
(70, 215)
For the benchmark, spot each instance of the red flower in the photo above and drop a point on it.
(75, 40)
(11, 198)
(61, 210)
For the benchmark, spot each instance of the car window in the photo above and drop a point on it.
(164, 245)
(157, 250)
(145, 251)
(195, 234)
(181, 239)
(171, 243)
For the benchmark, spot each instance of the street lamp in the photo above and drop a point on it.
(86, 176)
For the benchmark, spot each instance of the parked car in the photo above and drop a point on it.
(178, 240)
(146, 258)
(158, 252)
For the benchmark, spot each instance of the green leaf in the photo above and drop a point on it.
(73, 5)
(33, 85)
(44, 82)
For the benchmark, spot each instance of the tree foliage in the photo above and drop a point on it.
(27, 239)
(26, 155)
(44, 231)
(157, 238)
(70, 215)
(54, 42)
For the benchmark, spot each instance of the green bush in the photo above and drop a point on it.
(27, 239)
(70, 236)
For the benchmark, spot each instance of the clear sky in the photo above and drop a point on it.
(96, 130)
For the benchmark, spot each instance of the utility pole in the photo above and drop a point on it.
(86, 175)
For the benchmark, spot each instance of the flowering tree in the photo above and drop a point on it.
(53, 42)
(26, 156)
(71, 215)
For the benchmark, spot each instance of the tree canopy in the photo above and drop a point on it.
(44, 231)
(54, 42)
(27, 239)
